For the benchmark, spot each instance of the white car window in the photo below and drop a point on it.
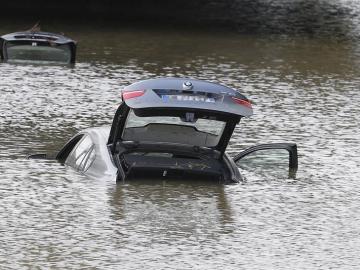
(80, 151)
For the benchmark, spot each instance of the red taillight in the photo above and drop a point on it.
(132, 94)
(242, 102)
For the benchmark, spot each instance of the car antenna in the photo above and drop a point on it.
(35, 28)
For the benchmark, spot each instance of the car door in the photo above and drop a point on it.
(273, 160)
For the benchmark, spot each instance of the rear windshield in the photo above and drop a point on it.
(171, 129)
(38, 51)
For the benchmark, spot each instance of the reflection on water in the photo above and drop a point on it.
(304, 90)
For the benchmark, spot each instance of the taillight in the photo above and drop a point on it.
(243, 102)
(132, 94)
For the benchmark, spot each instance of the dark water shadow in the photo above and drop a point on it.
(312, 17)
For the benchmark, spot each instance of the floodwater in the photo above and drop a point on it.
(304, 89)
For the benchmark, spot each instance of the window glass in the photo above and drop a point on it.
(88, 160)
(79, 152)
(270, 162)
(201, 132)
(38, 51)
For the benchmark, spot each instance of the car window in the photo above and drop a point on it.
(87, 160)
(38, 51)
(80, 152)
(202, 132)
(270, 162)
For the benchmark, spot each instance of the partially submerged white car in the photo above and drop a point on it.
(169, 128)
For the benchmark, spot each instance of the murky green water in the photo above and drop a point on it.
(304, 90)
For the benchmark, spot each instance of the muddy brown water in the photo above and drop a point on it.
(305, 89)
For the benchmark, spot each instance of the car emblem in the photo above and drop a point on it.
(187, 85)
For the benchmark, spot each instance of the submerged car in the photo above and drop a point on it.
(169, 128)
(37, 46)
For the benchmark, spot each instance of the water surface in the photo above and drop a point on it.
(304, 90)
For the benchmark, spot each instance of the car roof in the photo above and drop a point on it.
(37, 36)
(214, 97)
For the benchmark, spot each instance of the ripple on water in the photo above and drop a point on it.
(52, 217)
